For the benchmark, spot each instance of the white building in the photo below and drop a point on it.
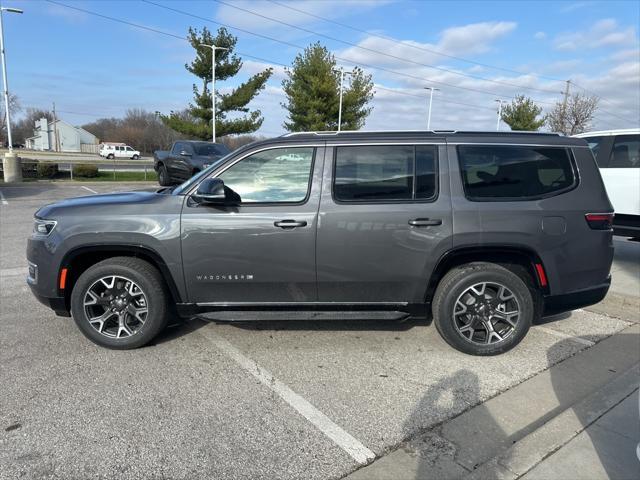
(68, 138)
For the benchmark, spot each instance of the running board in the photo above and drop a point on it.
(257, 316)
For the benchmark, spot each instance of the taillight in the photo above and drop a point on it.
(600, 221)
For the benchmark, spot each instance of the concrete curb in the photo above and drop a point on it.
(538, 445)
(624, 307)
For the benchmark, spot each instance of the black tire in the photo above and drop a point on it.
(135, 157)
(111, 156)
(163, 176)
(455, 286)
(151, 285)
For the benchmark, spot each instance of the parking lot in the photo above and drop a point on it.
(283, 400)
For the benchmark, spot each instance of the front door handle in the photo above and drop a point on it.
(290, 223)
(425, 222)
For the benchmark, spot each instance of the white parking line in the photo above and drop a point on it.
(89, 189)
(2, 199)
(583, 341)
(344, 440)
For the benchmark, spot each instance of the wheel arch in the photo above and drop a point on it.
(80, 259)
(514, 257)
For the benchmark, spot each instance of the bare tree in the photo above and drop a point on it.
(14, 106)
(574, 117)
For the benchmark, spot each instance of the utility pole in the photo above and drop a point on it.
(342, 74)
(213, 87)
(11, 163)
(55, 129)
(564, 108)
(500, 102)
(431, 89)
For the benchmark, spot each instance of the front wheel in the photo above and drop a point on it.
(111, 156)
(135, 157)
(120, 303)
(163, 176)
(483, 308)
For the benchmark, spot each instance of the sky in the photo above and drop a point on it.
(474, 51)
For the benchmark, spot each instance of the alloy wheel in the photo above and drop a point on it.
(486, 313)
(115, 306)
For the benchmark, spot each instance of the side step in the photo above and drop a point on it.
(270, 315)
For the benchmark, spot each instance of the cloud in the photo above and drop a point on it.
(604, 33)
(465, 40)
(540, 35)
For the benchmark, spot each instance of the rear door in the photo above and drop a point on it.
(263, 250)
(385, 220)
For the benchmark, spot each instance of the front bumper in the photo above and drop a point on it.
(554, 304)
(57, 304)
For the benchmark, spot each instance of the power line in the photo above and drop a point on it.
(378, 52)
(361, 64)
(399, 42)
(169, 34)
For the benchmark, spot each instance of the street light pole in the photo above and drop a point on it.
(213, 87)
(4, 75)
(431, 89)
(499, 114)
(342, 74)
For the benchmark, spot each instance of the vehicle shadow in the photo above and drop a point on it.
(336, 325)
(177, 328)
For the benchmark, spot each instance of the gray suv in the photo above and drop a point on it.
(482, 232)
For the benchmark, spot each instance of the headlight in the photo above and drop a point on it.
(43, 227)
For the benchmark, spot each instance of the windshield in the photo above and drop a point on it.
(182, 188)
(207, 149)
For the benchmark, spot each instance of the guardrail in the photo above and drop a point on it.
(114, 165)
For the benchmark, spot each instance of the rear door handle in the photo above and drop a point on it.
(290, 223)
(425, 222)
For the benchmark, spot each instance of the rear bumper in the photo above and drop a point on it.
(570, 301)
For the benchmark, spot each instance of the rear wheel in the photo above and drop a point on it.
(483, 308)
(120, 303)
(163, 176)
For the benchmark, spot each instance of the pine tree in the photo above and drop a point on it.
(198, 121)
(522, 114)
(312, 88)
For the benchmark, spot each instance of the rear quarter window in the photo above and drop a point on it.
(494, 172)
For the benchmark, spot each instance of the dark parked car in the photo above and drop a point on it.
(185, 159)
(484, 232)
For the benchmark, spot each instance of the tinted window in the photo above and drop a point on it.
(177, 148)
(384, 173)
(276, 175)
(210, 149)
(625, 152)
(594, 144)
(514, 172)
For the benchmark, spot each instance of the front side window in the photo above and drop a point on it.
(279, 175)
(129, 149)
(514, 172)
(379, 173)
(207, 149)
(626, 152)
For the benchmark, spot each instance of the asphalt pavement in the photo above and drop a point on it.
(287, 400)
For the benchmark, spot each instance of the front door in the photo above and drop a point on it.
(385, 220)
(262, 251)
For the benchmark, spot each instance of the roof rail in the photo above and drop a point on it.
(435, 132)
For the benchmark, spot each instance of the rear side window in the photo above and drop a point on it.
(594, 145)
(382, 173)
(492, 172)
(625, 152)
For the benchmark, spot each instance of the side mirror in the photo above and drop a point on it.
(211, 191)
(184, 153)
